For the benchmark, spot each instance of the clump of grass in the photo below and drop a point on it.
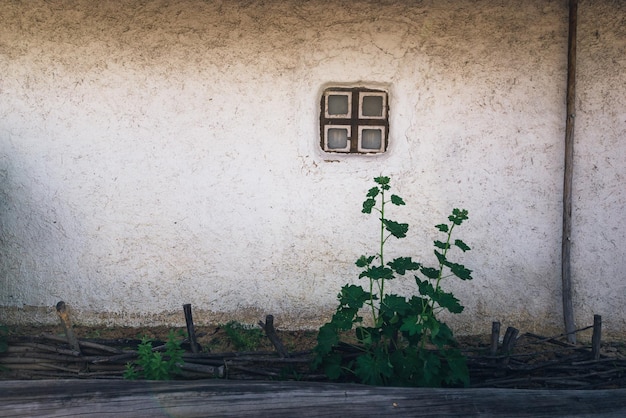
(243, 337)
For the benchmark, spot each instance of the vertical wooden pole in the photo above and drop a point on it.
(270, 332)
(495, 337)
(566, 279)
(596, 338)
(191, 330)
(510, 338)
(64, 316)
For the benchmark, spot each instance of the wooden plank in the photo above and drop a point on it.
(223, 398)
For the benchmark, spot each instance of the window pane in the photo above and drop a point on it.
(371, 139)
(372, 106)
(338, 104)
(337, 138)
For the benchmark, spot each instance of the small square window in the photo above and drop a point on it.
(359, 110)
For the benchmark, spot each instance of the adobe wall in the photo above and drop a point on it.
(160, 153)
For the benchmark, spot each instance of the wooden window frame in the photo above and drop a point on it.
(355, 119)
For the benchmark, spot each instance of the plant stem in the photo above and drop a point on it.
(382, 240)
(445, 253)
(431, 303)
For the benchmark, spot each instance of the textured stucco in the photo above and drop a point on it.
(156, 153)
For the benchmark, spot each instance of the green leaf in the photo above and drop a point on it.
(441, 258)
(404, 366)
(460, 271)
(344, 317)
(373, 369)
(397, 200)
(412, 325)
(430, 272)
(368, 205)
(130, 372)
(457, 366)
(461, 245)
(425, 288)
(396, 229)
(332, 366)
(373, 192)
(377, 273)
(363, 336)
(173, 356)
(434, 326)
(364, 261)
(449, 302)
(353, 296)
(327, 338)
(382, 180)
(444, 337)
(458, 216)
(442, 227)
(430, 370)
(442, 245)
(418, 304)
(392, 304)
(403, 264)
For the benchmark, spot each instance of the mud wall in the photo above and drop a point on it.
(155, 153)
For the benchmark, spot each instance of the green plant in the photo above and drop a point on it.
(154, 365)
(242, 336)
(404, 343)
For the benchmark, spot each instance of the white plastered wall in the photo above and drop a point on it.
(160, 153)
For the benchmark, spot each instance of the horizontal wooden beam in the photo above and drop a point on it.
(224, 398)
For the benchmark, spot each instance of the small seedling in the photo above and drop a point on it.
(154, 365)
(243, 337)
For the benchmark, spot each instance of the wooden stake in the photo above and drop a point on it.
(596, 338)
(268, 327)
(566, 241)
(510, 338)
(495, 338)
(66, 322)
(191, 332)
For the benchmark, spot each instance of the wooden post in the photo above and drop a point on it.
(64, 315)
(268, 327)
(510, 338)
(191, 332)
(566, 241)
(495, 337)
(596, 338)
